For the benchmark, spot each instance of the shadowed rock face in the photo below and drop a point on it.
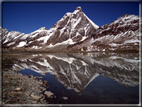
(75, 32)
(76, 71)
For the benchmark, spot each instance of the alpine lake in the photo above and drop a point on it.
(72, 78)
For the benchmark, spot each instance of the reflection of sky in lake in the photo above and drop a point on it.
(92, 78)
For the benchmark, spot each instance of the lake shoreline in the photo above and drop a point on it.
(10, 51)
(23, 89)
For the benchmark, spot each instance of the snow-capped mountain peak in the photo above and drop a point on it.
(78, 9)
(70, 29)
(76, 32)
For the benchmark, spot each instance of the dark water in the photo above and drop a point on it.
(93, 78)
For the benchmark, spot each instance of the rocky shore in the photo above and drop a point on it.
(23, 89)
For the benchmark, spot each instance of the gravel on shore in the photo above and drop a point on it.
(23, 89)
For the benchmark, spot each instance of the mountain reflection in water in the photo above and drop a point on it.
(76, 71)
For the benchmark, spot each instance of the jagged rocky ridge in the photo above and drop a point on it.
(76, 71)
(75, 32)
(120, 35)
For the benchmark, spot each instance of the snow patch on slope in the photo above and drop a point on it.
(45, 38)
(21, 44)
(11, 43)
(76, 23)
(69, 41)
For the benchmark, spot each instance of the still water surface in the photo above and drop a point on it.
(92, 78)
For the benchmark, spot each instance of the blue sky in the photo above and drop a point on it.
(27, 17)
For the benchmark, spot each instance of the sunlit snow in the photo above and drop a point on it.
(11, 43)
(21, 44)
(95, 26)
(45, 38)
(69, 41)
(75, 11)
(76, 23)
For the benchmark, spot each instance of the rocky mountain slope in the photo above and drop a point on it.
(76, 71)
(120, 35)
(72, 28)
(75, 32)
